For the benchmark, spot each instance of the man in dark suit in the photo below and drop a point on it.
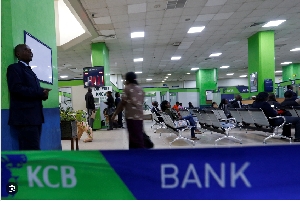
(26, 95)
(90, 105)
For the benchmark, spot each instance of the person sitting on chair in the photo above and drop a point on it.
(165, 107)
(289, 99)
(156, 110)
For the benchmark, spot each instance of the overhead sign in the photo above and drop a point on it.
(101, 92)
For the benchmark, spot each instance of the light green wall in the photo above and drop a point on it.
(69, 83)
(289, 71)
(261, 57)
(100, 57)
(206, 79)
(17, 16)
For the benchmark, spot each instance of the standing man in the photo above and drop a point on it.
(90, 104)
(117, 101)
(26, 95)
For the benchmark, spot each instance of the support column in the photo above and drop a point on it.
(206, 79)
(100, 57)
(291, 72)
(261, 58)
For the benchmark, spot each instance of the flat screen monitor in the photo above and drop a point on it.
(93, 76)
(41, 63)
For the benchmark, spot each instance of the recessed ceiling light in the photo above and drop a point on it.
(196, 29)
(278, 71)
(63, 76)
(169, 74)
(138, 59)
(162, 81)
(137, 34)
(167, 77)
(188, 73)
(175, 58)
(243, 76)
(229, 73)
(138, 72)
(287, 62)
(215, 54)
(295, 49)
(274, 23)
(224, 67)
(194, 68)
(148, 79)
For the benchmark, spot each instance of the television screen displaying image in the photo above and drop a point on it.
(93, 76)
(41, 63)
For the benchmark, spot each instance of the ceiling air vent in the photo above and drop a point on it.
(280, 45)
(208, 59)
(256, 24)
(176, 4)
(176, 43)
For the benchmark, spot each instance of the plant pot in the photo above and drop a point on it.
(68, 129)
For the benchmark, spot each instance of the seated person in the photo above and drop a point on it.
(289, 99)
(237, 102)
(214, 105)
(224, 106)
(290, 88)
(272, 100)
(191, 105)
(175, 107)
(156, 110)
(165, 107)
(180, 106)
(261, 102)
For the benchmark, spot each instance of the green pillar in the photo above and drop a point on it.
(206, 79)
(261, 58)
(100, 57)
(291, 72)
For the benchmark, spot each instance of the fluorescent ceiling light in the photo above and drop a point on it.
(148, 79)
(196, 29)
(137, 34)
(167, 77)
(188, 73)
(278, 71)
(229, 73)
(224, 67)
(121, 80)
(175, 58)
(194, 68)
(169, 74)
(274, 23)
(162, 81)
(243, 76)
(138, 59)
(63, 76)
(138, 72)
(287, 62)
(215, 55)
(295, 49)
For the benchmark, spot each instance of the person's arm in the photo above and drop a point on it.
(17, 88)
(119, 109)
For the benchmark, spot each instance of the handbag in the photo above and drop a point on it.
(110, 110)
(180, 123)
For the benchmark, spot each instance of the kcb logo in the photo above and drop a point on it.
(67, 175)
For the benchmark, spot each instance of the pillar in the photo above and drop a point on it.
(12, 34)
(291, 72)
(206, 79)
(261, 58)
(100, 57)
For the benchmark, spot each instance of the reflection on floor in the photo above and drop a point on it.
(118, 139)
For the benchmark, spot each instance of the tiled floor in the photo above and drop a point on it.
(118, 139)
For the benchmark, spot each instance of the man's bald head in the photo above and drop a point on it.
(23, 53)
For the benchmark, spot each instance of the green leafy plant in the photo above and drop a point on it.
(67, 115)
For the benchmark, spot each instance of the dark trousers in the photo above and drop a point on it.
(120, 121)
(89, 111)
(110, 121)
(135, 131)
(28, 136)
(287, 128)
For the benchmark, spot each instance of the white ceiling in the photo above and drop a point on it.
(227, 27)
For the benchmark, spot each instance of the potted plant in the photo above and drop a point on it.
(68, 125)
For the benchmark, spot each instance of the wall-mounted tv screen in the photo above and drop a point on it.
(41, 63)
(93, 76)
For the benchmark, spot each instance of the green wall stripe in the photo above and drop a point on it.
(68, 83)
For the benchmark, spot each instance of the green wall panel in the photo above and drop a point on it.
(100, 57)
(261, 57)
(68, 83)
(18, 16)
(287, 72)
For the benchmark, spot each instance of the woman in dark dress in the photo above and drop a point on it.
(110, 108)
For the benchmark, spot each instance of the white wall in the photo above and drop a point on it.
(160, 84)
(189, 84)
(114, 79)
(186, 97)
(232, 82)
(78, 94)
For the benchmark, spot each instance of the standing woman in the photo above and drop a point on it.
(132, 101)
(110, 109)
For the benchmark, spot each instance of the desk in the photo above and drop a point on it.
(72, 141)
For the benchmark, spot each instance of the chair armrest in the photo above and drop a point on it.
(277, 117)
